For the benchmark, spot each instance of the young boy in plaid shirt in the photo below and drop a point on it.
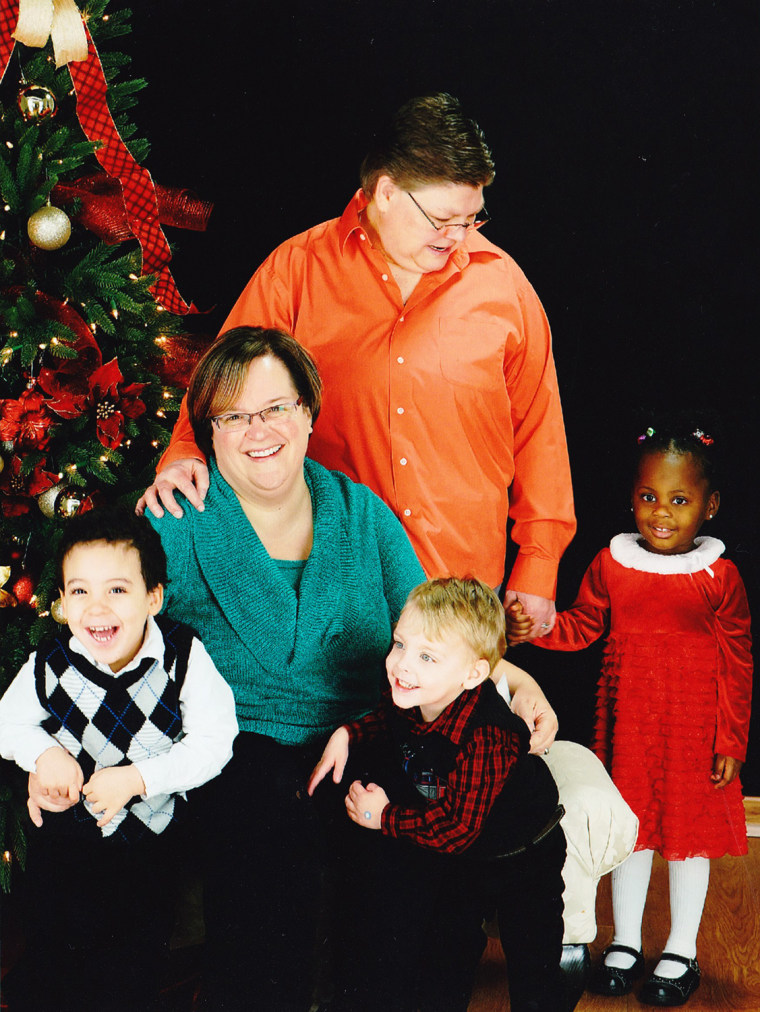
(464, 817)
(117, 717)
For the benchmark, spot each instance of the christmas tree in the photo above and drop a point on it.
(88, 312)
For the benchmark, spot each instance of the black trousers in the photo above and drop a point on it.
(408, 932)
(265, 846)
(98, 917)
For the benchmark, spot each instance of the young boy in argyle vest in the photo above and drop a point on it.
(118, 716)
(464, 817)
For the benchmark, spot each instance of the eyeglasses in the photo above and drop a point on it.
(236, 421)
(440, 227)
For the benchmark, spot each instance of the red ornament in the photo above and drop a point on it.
(23, 589)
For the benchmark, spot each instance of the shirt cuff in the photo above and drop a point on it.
(533, 575)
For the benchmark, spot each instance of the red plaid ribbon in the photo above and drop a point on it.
(137, 185)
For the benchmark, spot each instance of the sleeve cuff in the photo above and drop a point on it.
(533, 575)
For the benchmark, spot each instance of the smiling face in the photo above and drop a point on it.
(406, 238)
(430, 672)
(105, 601)
(264, 462)
(671, 500)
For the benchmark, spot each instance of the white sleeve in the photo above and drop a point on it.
(22, 738)
(209, 724)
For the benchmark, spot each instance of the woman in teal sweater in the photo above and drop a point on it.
(294, 577)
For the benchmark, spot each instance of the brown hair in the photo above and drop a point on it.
(429, 140)
(467, 607)
(221, 374)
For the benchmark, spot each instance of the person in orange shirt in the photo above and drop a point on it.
(440, 388)
(440, 391)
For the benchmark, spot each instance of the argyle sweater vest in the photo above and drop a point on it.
(106, 719)
(525, 803)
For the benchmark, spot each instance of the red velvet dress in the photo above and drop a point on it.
(675, 688)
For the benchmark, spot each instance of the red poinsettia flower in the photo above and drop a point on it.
(68, 394)
(27, 421)
(113, 403)
(19, 490)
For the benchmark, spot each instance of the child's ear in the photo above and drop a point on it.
(713, 505)
(155, 599)
(478, 673)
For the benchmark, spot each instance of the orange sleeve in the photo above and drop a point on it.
(541, 496)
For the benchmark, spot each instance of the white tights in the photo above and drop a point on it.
(688, 887)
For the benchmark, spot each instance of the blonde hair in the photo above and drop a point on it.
(465, 606)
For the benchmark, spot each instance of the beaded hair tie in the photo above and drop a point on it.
(697, 433)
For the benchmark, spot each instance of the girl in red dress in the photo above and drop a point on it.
(673, 704)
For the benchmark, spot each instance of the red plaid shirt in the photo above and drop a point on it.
(486, 756)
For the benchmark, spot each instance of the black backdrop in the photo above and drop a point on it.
(626, 141)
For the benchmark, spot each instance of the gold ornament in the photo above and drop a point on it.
(7, 600)
(2, 465)
(68, 502)
(56, 610)
(49, 228)
(46, 500)
(36, 102)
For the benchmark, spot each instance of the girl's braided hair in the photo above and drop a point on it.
(681, 432)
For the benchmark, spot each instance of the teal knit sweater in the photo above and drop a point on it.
(299, 664)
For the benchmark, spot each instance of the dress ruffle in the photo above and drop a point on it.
(656, 737)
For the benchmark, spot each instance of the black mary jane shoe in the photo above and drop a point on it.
(612, 980)
(671, 991)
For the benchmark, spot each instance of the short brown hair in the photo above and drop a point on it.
(222, 371)
(467, 607)
(429, 140)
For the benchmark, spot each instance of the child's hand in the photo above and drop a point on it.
(519, 624)
(38, 802)
(108, 790)
(333, 758)
(59, 775)
(725, 769)
(365, 805)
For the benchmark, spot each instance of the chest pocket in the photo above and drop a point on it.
(471, 354)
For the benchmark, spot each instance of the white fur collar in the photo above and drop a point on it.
(626, 549)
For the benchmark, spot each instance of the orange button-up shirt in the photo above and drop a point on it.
(445, 406)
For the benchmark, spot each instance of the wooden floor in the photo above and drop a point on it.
(728, 943)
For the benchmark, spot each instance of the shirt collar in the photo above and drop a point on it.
(454, 719)
(349, 220)
(153, 647)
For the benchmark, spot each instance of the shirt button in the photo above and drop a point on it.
(400, 411)
(384, 277)
(403, 462)
(407, 513)
(400, 360)
(362, 236)
(401, 319)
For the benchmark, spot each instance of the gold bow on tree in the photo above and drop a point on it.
(59, 20)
